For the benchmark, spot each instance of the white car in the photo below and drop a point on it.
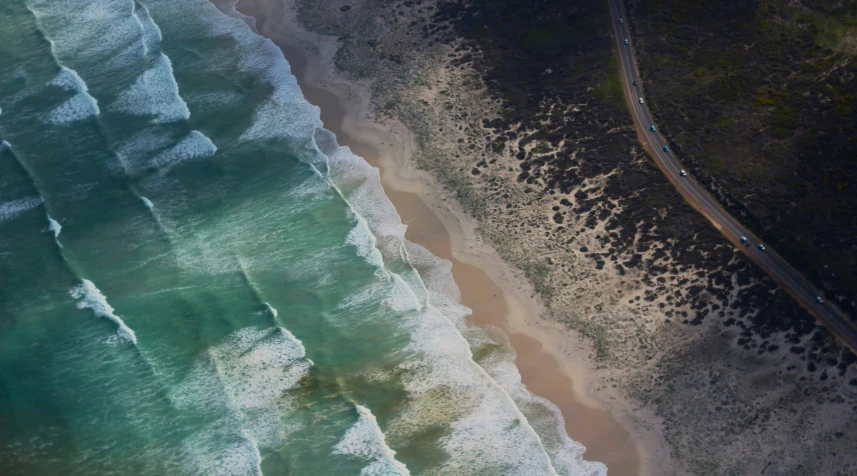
(641, 100)
(621, 20)
(761, 247)
(819, 300)
(626, 41)
(682, 173)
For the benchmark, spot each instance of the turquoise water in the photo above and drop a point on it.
(196, 279)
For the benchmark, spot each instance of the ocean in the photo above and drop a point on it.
(195, 278)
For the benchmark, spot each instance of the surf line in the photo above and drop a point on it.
(365, 416)
(90, 297)
(362, 221)
(367, 431)
(257, 294)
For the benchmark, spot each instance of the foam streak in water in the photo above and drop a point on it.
(90, 297)
(194, 146)
(366, 441)
(241, 385)
(80, 106)
(154, 93)
(103, 29)
(151, 34)
(10, 210)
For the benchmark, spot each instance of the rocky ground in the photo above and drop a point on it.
(517, 108)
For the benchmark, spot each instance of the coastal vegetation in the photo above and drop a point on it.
(516, 110)
(771, 126)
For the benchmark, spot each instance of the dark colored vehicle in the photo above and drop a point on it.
(666, 149)
(626, 41)
(761, 247)
(819, 300)
(653, 128)
(744, 240)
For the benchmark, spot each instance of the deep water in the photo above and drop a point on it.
(196, 279)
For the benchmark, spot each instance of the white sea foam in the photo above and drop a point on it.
(542, 414)
(194, 146)
(139, 148)
(251, 54)
(151, 34)
(90, 297)
(154, 93)
(80, 106)
(94, 29)
(361, 238)
(238, 457)
(271, 310)
(366, 441)
(148, 203)
(4, 145)
(10, 210)
(54, 227)
(242, 384)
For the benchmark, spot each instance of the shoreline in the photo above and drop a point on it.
(550, 358)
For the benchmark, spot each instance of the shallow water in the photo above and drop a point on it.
(196, 279)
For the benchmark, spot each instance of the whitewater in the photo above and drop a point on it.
(266, 314)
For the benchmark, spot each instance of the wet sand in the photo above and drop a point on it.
(605, 438)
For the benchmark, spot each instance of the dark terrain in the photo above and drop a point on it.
(519, 41)
(759, 100)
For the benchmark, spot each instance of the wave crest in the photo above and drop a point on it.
(80, 106)
(90, 297)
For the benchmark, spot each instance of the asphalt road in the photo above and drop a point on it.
(788, 278)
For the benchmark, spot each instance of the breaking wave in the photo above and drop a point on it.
(242, 383)
(90, 297)
(195, 146)
(366, 441)
(78, 107)
(154, 93)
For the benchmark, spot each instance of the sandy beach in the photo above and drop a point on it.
(554, 362)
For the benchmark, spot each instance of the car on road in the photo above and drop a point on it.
(666, 149)
(761, 247)
(819, 300)
(744, 240)
(626, 41)
(641, 100)
(635, 82)
(652, 128)
(682, 173)
(621, 20)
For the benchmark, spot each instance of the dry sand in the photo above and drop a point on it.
(554, 363)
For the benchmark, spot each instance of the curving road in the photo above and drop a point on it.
(788, 278)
